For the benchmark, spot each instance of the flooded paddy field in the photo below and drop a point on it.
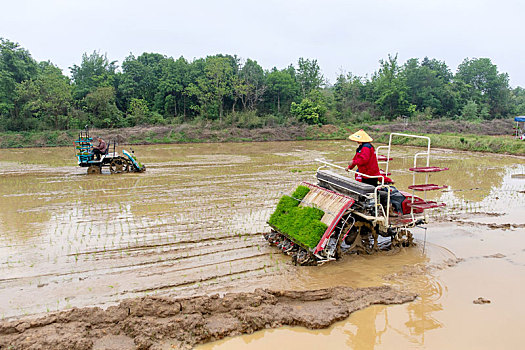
(192, 225)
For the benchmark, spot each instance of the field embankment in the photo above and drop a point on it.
(494, 136)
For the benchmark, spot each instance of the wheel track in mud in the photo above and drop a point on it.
(187, 264)
(156, 262)
(184, 254)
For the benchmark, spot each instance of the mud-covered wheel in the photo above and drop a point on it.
(362, 239)
(116, 166)
(272, 237)
(304, 258)
(94, 170)
(128, 166)
(403, 238)
(350, 238)
(347, 237)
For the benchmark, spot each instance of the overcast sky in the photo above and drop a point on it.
(344, 36)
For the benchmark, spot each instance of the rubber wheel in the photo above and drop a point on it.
(94, 170)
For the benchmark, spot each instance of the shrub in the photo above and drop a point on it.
(308, 111)
(248, 119)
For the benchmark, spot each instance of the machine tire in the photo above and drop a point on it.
(94, 170)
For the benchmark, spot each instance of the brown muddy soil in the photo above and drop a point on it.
(165, 322)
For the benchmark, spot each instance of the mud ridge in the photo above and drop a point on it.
(156, 322)
(463, 220)
(422, 269)
(492, 226)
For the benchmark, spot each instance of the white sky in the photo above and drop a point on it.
(343, 35)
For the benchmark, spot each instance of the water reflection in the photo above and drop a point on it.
(368, 330)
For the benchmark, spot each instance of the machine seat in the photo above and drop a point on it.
(343, 184)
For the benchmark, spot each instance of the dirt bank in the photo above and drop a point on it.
(144, 135)
(440, 126)
(209, 132)
(163, 322)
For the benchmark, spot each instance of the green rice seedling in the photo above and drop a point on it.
(301, 223)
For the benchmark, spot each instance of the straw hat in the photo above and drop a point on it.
(361, 136)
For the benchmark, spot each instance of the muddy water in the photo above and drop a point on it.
(192, 224)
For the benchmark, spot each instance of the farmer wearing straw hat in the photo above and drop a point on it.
(365, 159)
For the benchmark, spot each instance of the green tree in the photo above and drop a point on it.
(141, 79)
(25, 108)
(470, 110)
(282, 88)
(217, 84)
(429, 86)
(172, 84)
(478, 80)
(349, 96)
(48, 97)
(518, 101)
(390, 89)
(252, 75)
(138, 112)
(192, 91)
(153, 88)
(16, 66)
(103, 112)
(95, 71)
(309, 76)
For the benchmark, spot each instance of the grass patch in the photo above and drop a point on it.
(302, 224)
(36, 139)
(464, 142)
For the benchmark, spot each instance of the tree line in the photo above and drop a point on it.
(155, 89)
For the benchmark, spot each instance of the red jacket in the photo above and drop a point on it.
(365, 159)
